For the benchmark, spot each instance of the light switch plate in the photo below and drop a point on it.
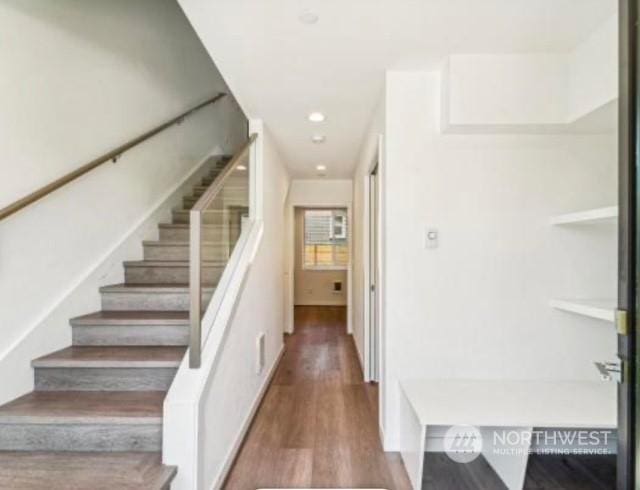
(260, 353)
(431, 238)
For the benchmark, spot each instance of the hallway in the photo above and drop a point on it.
(317, 426)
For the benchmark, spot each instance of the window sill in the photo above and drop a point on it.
(326, 268)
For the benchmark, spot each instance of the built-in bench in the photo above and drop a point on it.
(490, 404)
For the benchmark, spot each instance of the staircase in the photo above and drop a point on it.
(94, 420)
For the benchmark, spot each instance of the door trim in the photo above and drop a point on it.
(627, 230)
(289, 252)
(376, 162)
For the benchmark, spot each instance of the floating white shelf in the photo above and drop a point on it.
(586, 217)
(597, 308)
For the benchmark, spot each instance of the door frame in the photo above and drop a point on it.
(628, 259)
(290, 254)
(375, 164)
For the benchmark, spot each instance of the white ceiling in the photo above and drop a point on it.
(281, 69)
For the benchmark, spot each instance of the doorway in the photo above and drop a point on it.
(321, 257)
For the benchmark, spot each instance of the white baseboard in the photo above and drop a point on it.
(240, 436)
(81, 296)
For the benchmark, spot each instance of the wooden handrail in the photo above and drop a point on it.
(112, 155)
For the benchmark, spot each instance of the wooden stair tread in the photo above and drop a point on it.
(113, 357)
(116, 318)
(81, 471)
(82, 407)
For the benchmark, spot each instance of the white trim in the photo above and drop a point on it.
(257, 168)
(290, 265)
(586, 217)
(239, 439)
(350, 270)
(382, 320)
(366, 266)
(366, 280)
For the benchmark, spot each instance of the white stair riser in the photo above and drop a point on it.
(214, 253)
(189, 202)
(210, 234)
(241, 191)
(130, 301)
(81, 437)
(168, 275)
(208, 218)
(104, 379)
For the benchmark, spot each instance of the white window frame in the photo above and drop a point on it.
(342, 236)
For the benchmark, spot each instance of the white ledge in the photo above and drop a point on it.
(586, 217)
(601, 309)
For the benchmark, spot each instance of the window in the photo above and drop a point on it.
(325, 239)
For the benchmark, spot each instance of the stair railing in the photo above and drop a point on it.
(112, 155)
(216, 223)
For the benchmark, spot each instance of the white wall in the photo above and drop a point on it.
(534, 92)
(320, 192)
(315, 287)
(78, 79)
(532, 89)
(313, 193)
(477, 306)
(593, 70)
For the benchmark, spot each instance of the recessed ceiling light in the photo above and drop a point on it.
(321, 168)
(318, 138)
(316, 117)
(308, 17)
(241, 167)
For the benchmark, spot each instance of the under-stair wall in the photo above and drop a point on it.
(80, 79)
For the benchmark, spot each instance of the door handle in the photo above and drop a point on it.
(610, 370)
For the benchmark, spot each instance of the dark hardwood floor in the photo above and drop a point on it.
(317, 426)
(546, 472)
